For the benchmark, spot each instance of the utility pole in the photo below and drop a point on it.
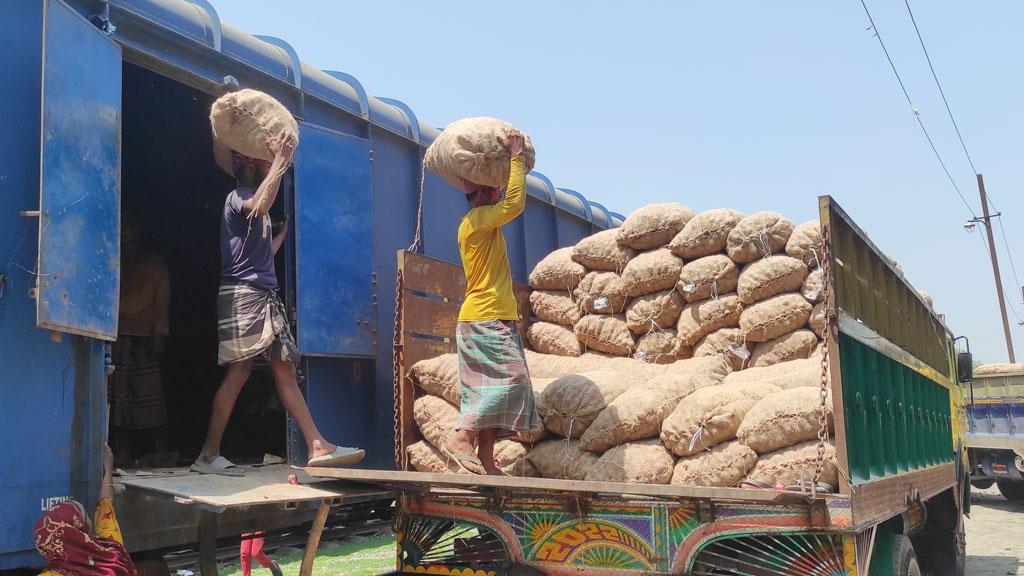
(995, 268)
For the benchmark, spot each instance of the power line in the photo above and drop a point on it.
(1008, 301)
(939, 85)
(1009, 255)
(917, 113)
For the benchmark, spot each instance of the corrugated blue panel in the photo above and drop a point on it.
(572, 202)
(185, 18)
(79, 256)
(334, 260)
(256, 53)
(38, 376)
(332, 90)
(540, 222)
(443, 208)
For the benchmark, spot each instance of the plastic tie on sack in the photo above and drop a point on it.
(689, 287)
(739, 352)
(813, 293)
(601, 303)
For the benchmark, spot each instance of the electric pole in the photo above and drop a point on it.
(995, 267)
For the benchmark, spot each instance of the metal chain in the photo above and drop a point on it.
(826, 333)
(397, 358)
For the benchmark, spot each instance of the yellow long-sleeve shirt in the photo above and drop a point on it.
(485, 255)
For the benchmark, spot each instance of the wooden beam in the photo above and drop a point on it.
(207, 543)
(313, 542)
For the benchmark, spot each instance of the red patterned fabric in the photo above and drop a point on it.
(63, 540)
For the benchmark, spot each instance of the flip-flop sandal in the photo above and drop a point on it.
(219, 465)
(466, 462)
(342, 456)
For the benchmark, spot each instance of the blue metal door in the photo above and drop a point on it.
(333, 244)
(80, 175)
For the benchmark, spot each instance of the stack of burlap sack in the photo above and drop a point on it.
(618, 419)
(670, 285)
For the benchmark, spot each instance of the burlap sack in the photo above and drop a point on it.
(562, 459)
(606, 334)
(602, 293)
(637, 413)
(651, 272)
(244, 121)
(660, 347)
(705, 234)
(573, 402)
(654, 311)
(817, 320)
(927, 299)
(702, 318)
(711, 366)
(796, 464)
(758, 235)
(813, 287)
(792, 346)
(511, 459)
(999, 369)
(436, 419)
(470, 149)
(708, 276)
(439, 376)
(425, 458)
(727, 343)
(644, 462)
(783, 419)
(550, 366)
(654, 225)
(785, 375)
(710, 416)
(769, 277)
(805, 243)
(774, 317)
(557, 271)
(540, 433)
(724, 465)
(554, 306)
(601, 251)
(548, 338)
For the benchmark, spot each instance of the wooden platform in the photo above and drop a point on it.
(423, 482)
(264, 485)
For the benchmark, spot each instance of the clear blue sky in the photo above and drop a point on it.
(749, 105)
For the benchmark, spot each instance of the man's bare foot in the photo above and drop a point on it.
(493, 470)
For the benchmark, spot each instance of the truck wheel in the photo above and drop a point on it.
(903, 557)
(1011, 490)
(983, 484)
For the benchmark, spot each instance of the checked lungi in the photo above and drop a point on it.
(251, 322)
(496, 389)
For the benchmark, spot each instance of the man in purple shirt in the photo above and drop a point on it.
(251, 317)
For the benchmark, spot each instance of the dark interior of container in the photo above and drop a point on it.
(172, 187)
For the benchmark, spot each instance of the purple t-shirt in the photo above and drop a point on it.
(246, 244)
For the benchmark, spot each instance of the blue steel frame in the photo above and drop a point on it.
(53, 408)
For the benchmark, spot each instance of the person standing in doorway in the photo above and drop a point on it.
(135, 389)
(497, 397)
(251, 317)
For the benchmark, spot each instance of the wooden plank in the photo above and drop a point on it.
(416, 349)
(313, 542)
(427, 316)
(207, 543)
(433, 276)
(422, 481)
(264, 485)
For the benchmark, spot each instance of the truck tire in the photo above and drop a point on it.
(904, 561)
(1011, 490)
(983, 484)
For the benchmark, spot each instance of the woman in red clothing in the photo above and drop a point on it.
(252, 548)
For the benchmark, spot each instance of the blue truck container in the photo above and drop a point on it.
(995, 433)
(105, 114)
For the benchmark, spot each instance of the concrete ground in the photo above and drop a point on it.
(995, 535)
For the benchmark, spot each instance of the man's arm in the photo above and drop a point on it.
(282, 233)
(282, 147)
(515, 193)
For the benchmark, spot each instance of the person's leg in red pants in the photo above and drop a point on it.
(252, 547)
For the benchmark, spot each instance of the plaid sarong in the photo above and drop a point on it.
(252, 321)
(136, 390)
(496, 390)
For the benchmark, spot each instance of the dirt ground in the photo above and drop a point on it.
(995, 535)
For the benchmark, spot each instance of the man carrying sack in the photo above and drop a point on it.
(497, 398)
(251, 317)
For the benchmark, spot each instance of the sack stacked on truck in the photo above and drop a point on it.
(245, 121)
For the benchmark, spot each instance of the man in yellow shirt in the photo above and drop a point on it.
(497, 398)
